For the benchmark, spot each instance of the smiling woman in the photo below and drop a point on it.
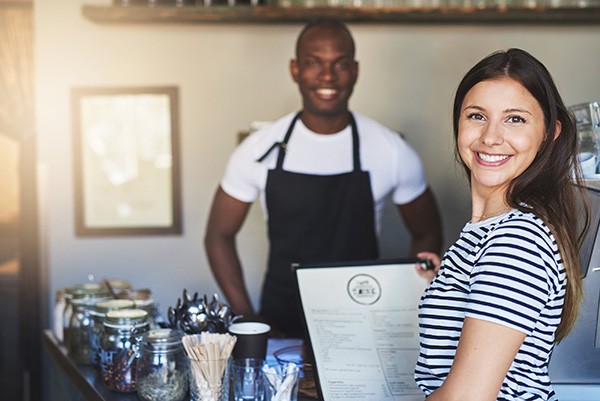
(510, 286)
(501, 129)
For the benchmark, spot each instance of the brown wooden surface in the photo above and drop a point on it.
(273, 14)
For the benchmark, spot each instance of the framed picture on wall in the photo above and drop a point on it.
(126, 161)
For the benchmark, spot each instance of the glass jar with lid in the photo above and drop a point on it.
(69, 293)
(162, 368)
(143, 300)
(58, 310)
(67, 310)
(98, 313)
(121, 337)
(79, 344)
(118, 286)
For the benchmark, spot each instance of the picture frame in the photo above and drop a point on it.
(126, 161)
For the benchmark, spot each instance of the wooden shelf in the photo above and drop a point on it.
(273, 14)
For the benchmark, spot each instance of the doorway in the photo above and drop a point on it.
(21, 291)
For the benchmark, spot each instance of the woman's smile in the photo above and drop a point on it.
(490, 159)
(501, 129)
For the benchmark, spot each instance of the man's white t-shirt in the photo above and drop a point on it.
(394, 167)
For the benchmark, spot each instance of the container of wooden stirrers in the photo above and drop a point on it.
(209, 359)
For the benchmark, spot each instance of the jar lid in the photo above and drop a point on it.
(90, 297)
(119, 284)
(125, 317)
(136, 295)
(143, 303)
(163, 337)
(113, 304)
(83, 288)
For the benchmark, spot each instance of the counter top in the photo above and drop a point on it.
(84, 377)
(86, 380)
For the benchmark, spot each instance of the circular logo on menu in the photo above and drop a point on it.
(364, 289)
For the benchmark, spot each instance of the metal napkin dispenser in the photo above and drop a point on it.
(576, 360)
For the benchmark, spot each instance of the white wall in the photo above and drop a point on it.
(230, 75)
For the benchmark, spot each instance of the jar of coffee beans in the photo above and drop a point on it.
(119, 345)
(98, 313)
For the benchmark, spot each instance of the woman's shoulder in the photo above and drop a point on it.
(525, 221)
(528, 247)
(525, 228)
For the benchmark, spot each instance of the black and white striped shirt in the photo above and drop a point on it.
(506, 270)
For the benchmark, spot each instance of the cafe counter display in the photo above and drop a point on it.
(109, 349)
(69, 380)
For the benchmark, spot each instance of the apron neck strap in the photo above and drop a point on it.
(283, 144)
(355, 144)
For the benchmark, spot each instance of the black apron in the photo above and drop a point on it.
(311, 219)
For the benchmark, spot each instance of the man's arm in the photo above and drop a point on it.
(226, 217)
(422, 219)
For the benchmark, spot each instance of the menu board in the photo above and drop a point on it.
(362, 320)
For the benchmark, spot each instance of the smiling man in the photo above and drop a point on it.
(323, 176)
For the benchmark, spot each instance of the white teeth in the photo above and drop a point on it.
(326, 91)
(491, 158)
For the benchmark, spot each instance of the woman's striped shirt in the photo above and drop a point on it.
(506, 270)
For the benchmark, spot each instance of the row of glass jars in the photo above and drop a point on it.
(121, 339)
(133, 358)
(78, 320)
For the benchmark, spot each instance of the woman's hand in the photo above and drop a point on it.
(435, 260)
